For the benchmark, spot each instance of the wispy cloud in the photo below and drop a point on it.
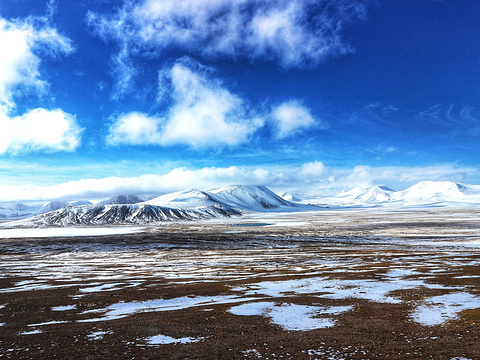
(452, 116)
(291, 33)
(39, 130)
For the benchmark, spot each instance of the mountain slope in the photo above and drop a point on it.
(121, 214)
(189, 199)
(250, 198)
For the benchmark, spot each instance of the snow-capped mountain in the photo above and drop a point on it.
(250, 198)
(232, 201)
(440, 193)
(181, 205)
(51, 206)
(376, 194)
(80, 202)
(121, 214)
(188, 199)
(21, 211)
(289, 197)
(436, 191)
(121, 200)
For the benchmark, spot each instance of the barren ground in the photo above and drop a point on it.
(347, 284)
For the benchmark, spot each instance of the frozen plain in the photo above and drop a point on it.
(338, 284)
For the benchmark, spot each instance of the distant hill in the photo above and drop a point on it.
(440, 193)
(121, 200)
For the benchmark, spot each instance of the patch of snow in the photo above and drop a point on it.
(291, 316)
(439, 309)
(164, 340)
(48, 323)
(372, 290)
(123, 309)
(64, 308)
(96, 335)
(32, 332)
(103, 287)
(67, 232)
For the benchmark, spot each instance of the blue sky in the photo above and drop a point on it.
(102, 97)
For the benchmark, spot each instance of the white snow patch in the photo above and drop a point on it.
(33, 332)
(67, 231)
(103, 287)
(48, 323)
(163, 340)
(372, 290)
(122, 309)
(439, 309)
(291, 316)
(64, 308)
(96, 335)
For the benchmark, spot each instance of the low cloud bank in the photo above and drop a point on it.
(312, 178)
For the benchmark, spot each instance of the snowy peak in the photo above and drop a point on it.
(434, 190)
(188, 199)
(431, 193)
(80, 203)
(289, 197)
(121, 200)
(253, 198)
(51, 206)
(376, 194)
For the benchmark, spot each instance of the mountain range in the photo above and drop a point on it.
(424, 193)
(232, 200)
(183, 205)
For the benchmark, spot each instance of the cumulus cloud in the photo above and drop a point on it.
(21, 44)
(292, 117)
(311, 178)
(39, 130)
(203, 113)
(290, 33)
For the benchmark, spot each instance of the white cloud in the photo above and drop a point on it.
(203, 114)
(313, 169)
(292, 117)
(310, 179)
(21, 43)
(291, 33)
(135, 129)
(39, 130)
